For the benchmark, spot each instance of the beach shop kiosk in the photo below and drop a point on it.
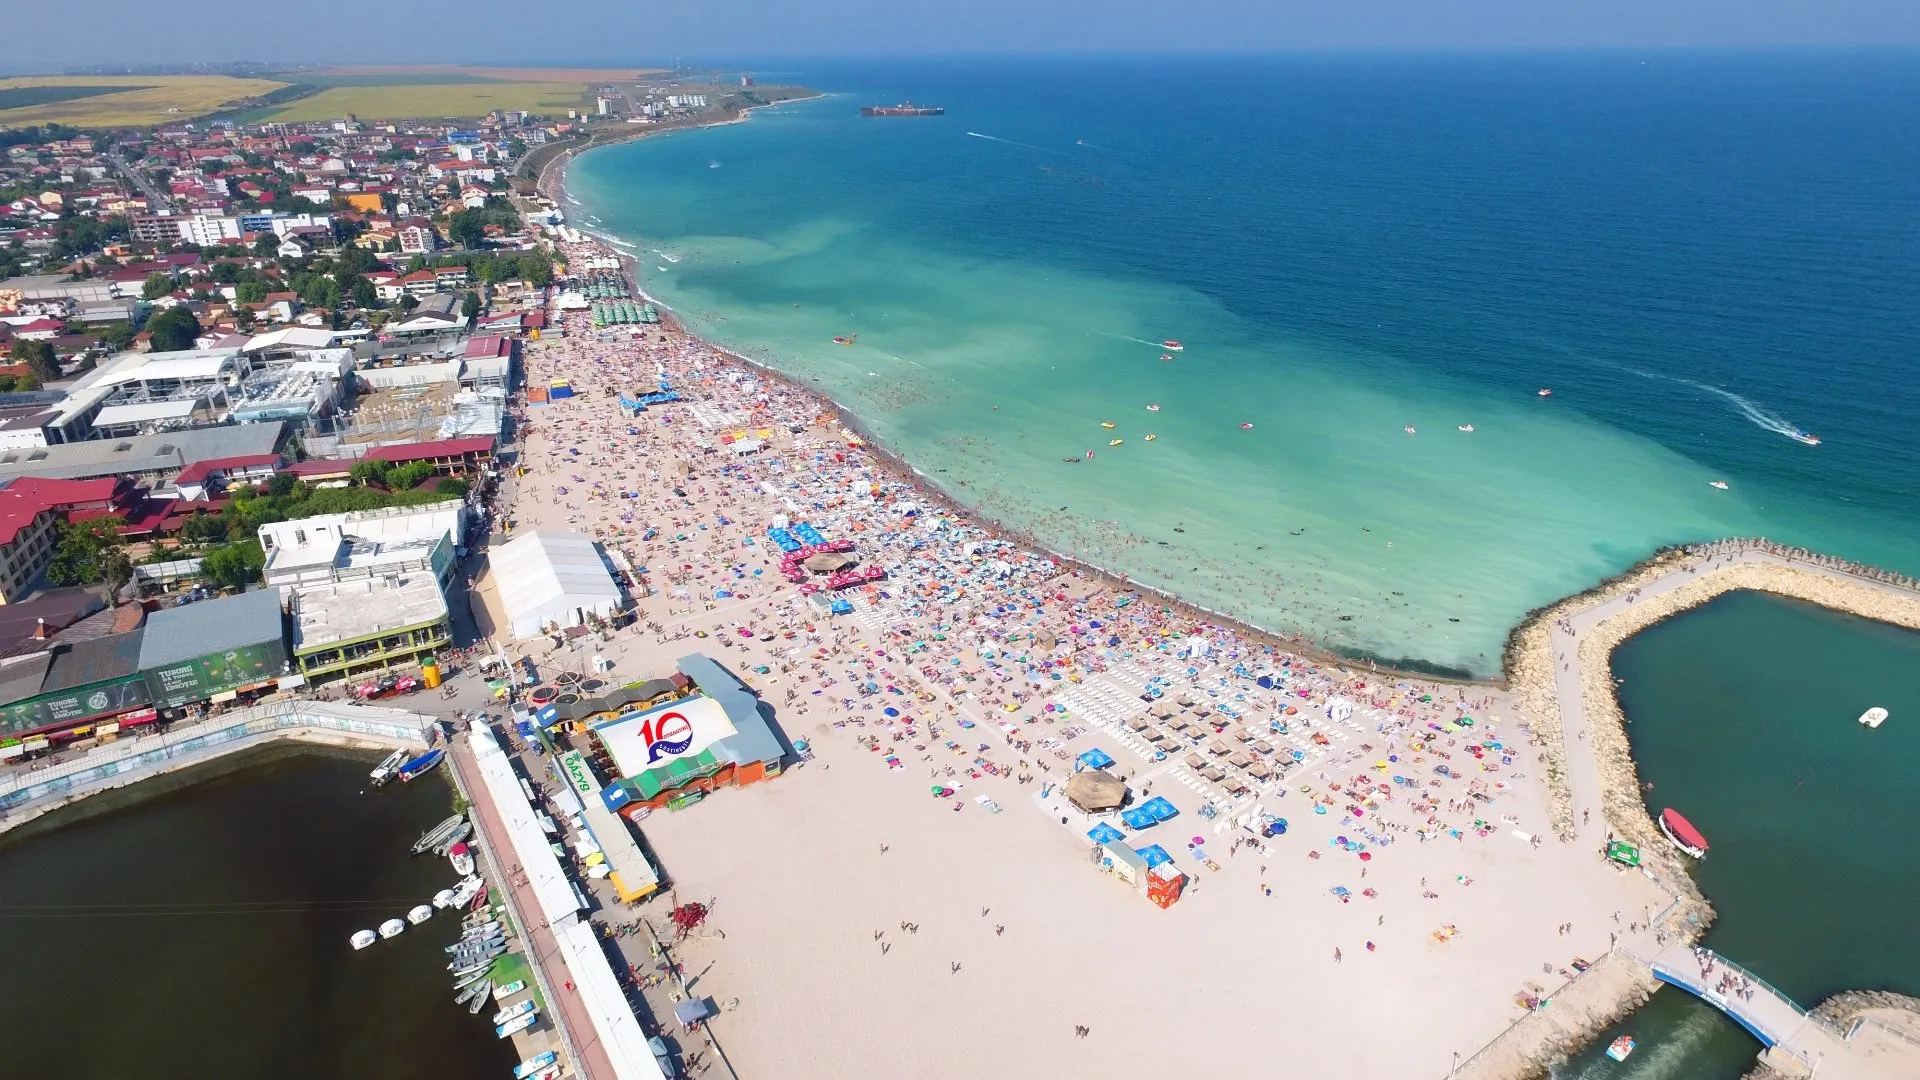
(672, 754)
(605, 840)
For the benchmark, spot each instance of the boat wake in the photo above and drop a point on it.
(664, 255)
(1135, 340)
(1009, 142)
(1671, 1055)
(1757, 414)
(617, 242)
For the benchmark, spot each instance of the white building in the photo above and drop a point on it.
(553, 579)
(209, 231)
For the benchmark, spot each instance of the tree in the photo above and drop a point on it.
(280, 484)
(173, 330)
(409, 302)
(468, 228)
(250, 292)
(364, 294)
(234, 566)
(83, 552)
(117, 336)
(40, 357)
(470, 305)
(267, 245)
(156, 286)
(368, 472)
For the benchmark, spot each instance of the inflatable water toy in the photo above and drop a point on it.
(1246, 427)
(1151, 436)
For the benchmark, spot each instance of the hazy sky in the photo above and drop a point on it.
(44, 35)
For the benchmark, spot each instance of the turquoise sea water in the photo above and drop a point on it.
(1743, 716)
(1695, 252)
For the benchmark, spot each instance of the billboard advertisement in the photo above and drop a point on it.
(74, 706)
(658, 737)
(204, 676)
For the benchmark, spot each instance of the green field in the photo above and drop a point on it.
(429, 100)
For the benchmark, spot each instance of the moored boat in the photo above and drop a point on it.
(507, 990)
(363, 938)
(514, 1011)
(477, 989)
(1682, 833)
(534, 1064)
(383, 772)
(479, 1002)
(461, 858)
(392, 928)
(420, 914)
(1619, 1048)
(515, 1027)
(421, 765)
(459, 833)
(438, 833)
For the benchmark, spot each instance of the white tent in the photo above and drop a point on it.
(551, 578)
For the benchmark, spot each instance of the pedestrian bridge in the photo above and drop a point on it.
(1772, 1017)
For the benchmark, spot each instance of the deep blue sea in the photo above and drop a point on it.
(1696, 252)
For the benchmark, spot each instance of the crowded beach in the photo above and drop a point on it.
(934, 882)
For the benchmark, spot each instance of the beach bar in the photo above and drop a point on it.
(674, 754)
(628, 869)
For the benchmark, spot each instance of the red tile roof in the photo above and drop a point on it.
(422, 451)
(200, 470)
(30, 496)
(487, 346)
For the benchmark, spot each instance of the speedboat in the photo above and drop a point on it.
(434, 836)
(1807, 437)
(363, 938)
(1153, 408)
(1246, 427)
(534, 1064)
(1466, 427)
(384, 771)
(392, 928)
(461, 858)
(1874, 717)
(421, 765)
(1545, 391)
(1172, 346)
(514, 1012)
(1619, 1048)
(420, 914)
(1682, 833)
(1721, 484)
(515, 1027)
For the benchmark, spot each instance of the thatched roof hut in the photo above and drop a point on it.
(1096, 791)
(828, 561)
(1195, 761)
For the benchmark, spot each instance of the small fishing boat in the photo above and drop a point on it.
(383, 772)
(1874, 717)
(479, 1002)
(1619, 1048)
(515, 1027)
(1153, 408)
(1682, 833)
(1115, 442)
(469, 980)
(847, 340)
(461, 858)
(1172, 346)
(1545, 391)
(439, 832)
(1466, 428)
(392, 928)
(1807, 437)
(1721, 484)
(534, 1064)
(1106, 423)
(1071, 460)
(468, 963)
(421, 765)
(460, 832)
(1246, 427)
(1151, 436)
(514, 1012)
(475, 945)
(479, 988)
(507, 990)
(420, 914)
(363, 938)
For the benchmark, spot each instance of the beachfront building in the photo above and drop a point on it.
(551, 579)
(215, 650)
(672, 754)
(367, 591)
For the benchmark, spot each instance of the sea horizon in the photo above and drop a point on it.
(951, 248)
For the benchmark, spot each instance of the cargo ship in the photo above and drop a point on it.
(905, 108)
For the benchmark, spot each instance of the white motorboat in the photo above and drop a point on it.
(513, 1012)
(389, 765)
(420, 914)
(1874, 717)
(1721, 484)
(363, 938)
(392, 928)
(1466, 428)
(462, 859)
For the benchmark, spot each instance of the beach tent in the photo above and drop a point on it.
(1096, 791)
(1095, 758)
(1103, 833)
(552, 578)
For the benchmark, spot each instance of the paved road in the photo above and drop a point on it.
(156, 199)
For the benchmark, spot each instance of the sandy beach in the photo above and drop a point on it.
(1418, 892)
